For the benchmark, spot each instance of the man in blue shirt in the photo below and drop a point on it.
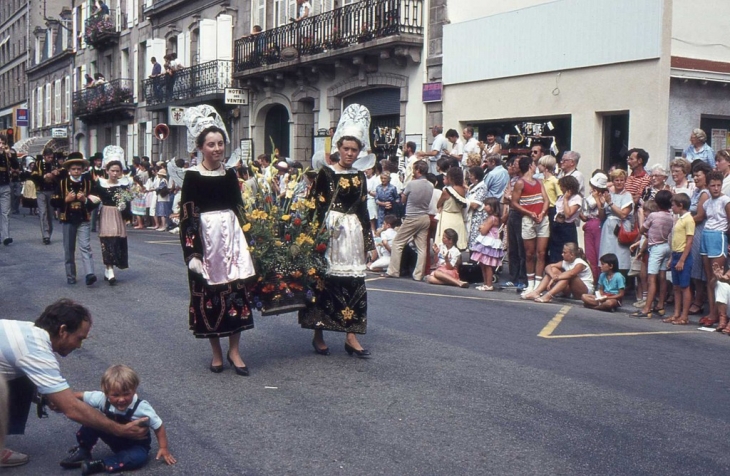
(497, 177)
(28, 365)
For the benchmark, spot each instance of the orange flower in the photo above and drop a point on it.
(296, 274)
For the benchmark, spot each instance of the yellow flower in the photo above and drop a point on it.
(312, 271)
(321, 199)
(278, 243)
(301, 239)
(344, 183)
(356, 181)
(347, 313)
(285, 217)
(246, 227)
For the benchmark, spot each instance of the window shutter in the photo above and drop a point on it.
(93, 144)
(135, 7)
(48, 109)
(130, 13)
(207, 41)
(67, 109)
(328, 6)
(183, 46)
(292, 9)
(135, 71)
(280, 12)
(75, 31)
(118, 135)
(57, 105)
(158, 51)
(130, 140)
(225, 37)
(258, 14)
(39, 107)
(82, 43)
(148, 139)
(118, 16)
(149, 54)
(31, 103)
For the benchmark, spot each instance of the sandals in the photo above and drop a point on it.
(670, 319)
(641, 315)
(661, 311)
(542, 299)
(698, 310)
(680, 322)
(484, 287)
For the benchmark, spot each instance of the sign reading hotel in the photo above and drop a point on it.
(433, 92)
(236, 96)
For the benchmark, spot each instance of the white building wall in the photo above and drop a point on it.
(464, 10)
(688, 103)
(701, 29)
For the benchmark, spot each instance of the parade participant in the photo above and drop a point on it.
(340, 192)
(28, 364)
(47, 172)
(119, 402)
(96, 171)
(72, 200)
(213, 244)
(9, 166)
(114, 193)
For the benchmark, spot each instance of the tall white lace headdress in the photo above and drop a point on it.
(199, 118)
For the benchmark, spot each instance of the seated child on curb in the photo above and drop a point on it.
(383, 242)
(573, 276)
(611, 286)
(117, 400)
(449, 258)
(681, 265)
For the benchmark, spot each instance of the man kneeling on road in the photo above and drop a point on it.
(28, 365)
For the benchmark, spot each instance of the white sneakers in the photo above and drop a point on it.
(10, 458)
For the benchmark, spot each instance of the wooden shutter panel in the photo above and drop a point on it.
(224, 43)
(57, 100)
(208, 40)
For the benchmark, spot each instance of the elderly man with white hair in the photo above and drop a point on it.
(698, 148)
(569, 167)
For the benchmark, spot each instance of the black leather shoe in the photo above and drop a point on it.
(90, 279)
(243, 371)
(363, 354)
(216, 369)
(325, 351)
(7, 241)
(92, 467)
(76, 456)
(46, 241)
(71, 280)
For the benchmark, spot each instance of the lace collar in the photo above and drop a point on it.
(209, 173)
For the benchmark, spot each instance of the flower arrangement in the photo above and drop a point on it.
(287, 246)
(121, 197)
(96, 28)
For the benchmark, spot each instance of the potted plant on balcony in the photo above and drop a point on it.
(365, 34)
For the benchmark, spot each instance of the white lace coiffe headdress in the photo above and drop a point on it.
(355, 122)
(112, 153)
(199, 118)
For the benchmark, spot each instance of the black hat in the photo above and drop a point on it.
(96, 156)
(75, 158)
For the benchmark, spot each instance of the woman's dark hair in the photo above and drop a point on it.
(524, 163)
(702, 166)
(454, 162)
(477, 173)
(611, 260)
(352, 138)
(200, 140)
(113, 163)
(570, 184)
(63, 312)
(443, 164)
(452, 235)
(663, 199)
(456, 176)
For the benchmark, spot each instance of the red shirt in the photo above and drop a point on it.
(635, 184)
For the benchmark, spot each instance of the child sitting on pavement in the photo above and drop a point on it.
(384, 238)
(118, 400)
(449, 258)
(573, 276)
(611, 286)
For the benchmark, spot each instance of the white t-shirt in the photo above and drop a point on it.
(471, 147)
(586, 275)
(716, 215)
(387, 236)
(440, 144)
(452, 255)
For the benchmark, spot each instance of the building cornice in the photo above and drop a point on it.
(50, 62)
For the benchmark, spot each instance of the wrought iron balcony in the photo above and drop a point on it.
(194, 84)
(101, 29)
(360, 23)
(114, 99)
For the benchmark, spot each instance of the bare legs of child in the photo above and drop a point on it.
(438, 277)
(488, 277)
(590, 301)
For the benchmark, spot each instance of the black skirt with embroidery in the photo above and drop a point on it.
(341, 306)
(218, 310)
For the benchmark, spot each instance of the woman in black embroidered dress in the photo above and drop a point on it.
(215, 248)
(115, 208)
(340, 192)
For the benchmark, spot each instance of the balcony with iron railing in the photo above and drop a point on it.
(195, 84)
(349, 30)
(112, 100)
(102, 29)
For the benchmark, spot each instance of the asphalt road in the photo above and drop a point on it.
(460, 382)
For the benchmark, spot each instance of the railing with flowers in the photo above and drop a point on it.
(212, 77)
(104, 97)
(100, 28)
(352, 24)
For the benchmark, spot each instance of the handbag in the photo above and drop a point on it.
(626, 237)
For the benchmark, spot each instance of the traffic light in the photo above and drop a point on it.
(9, 135)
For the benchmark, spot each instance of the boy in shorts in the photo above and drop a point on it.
(681, 264)
(658, 228)
(713, 247)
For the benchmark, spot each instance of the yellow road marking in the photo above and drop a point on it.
(554, 322)
(548, 330)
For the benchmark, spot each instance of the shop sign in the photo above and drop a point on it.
(433, 92)
(21, 117)
(59, 133)
(236, 96)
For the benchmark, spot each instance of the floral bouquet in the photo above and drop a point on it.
(287, 247)
(122, 197)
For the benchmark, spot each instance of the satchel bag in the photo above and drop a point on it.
(625, 237)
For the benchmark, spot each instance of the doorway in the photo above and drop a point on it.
(615, 140)
(276, 130)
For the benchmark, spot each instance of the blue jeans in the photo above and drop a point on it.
(128, 454)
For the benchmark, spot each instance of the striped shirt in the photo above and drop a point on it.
(531, 198)
(26, 350)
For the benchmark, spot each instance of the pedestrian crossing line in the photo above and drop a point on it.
(547, 331)
(452, 296)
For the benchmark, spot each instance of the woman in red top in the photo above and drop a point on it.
(530, 199)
